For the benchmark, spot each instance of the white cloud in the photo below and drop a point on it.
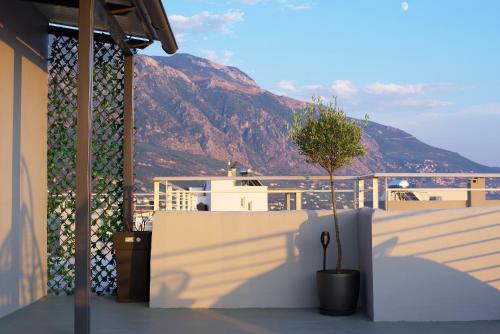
(287, 85)
(296, 5)
(404, 6)
(223, 59)
(393, 88)
(205, 21)
(344, 88)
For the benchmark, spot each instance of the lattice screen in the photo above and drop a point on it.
(107, 163)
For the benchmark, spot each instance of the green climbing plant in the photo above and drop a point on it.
(107, 163)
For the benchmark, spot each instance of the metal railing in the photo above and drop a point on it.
(430, 190)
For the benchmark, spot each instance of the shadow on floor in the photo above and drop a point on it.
(54, 315)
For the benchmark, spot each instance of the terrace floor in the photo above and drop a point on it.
(55, 315)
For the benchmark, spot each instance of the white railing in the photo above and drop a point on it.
(367, 190)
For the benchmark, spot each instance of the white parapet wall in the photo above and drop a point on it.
(439, 265)
(243, 259)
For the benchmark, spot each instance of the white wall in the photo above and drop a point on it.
(243, 259)
(229, 197)
(440, 265)
(23, 147)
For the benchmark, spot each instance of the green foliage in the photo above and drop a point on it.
(107, 164)
(327, 137)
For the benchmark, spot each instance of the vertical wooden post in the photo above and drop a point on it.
(375, 192)
(156, 196)
(83, 166)
(128, 143)
(361, 193)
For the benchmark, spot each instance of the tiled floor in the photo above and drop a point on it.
(55, 315)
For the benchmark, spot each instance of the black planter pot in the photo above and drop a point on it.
(338, 291)
(133, 256)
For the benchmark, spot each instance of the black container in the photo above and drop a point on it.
(133, 257)
(338, 291)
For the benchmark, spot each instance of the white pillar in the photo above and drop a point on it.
(375, 192)
(361, 193)
(156, 196)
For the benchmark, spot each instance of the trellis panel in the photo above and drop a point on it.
(107, 163)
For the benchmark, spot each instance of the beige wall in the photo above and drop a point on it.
(364, 229)
(243, 259)
(441, 265)
(23, 142)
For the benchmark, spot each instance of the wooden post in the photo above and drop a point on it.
(83, 166)
(128, 143)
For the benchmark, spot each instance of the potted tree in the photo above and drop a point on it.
(325, 135)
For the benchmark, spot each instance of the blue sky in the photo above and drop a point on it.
(429, 67)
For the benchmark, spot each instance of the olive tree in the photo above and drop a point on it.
(325, 135)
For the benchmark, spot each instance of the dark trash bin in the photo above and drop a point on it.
(133, 262)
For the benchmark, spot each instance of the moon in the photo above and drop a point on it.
(404, 6)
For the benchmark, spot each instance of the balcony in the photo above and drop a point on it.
(249, 270)
(409, 249)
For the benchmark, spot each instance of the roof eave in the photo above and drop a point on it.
(159, 21)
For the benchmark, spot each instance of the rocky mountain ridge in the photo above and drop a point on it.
(193, 115)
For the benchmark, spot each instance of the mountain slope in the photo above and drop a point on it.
(193, 115)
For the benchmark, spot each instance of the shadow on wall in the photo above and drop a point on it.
(294, 282)
(440, 265)
(22, 274)
(268, 269)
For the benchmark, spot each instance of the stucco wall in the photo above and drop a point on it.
(441, 265)
(365, 259)
(243, 259)
(23, 141)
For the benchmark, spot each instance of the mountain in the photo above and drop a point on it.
(193, 115)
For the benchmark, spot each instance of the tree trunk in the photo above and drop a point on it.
(337, 229)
